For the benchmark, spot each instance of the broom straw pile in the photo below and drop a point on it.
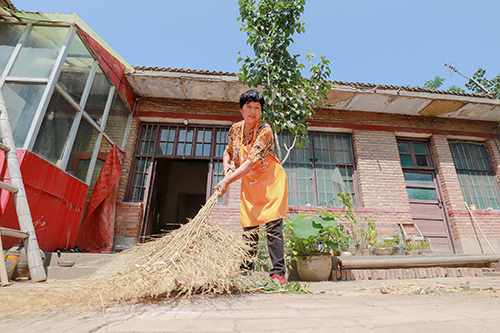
(199, 257)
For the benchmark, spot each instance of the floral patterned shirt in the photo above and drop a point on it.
(262, 147)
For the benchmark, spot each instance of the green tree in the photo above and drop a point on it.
(434, 84)
(291, 99)
(455, 88)
(437, 83)
(492, 85)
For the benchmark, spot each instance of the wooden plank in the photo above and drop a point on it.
(13, 233)
(4, 279)
(8, 187)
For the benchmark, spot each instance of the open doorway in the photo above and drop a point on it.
(177, 194)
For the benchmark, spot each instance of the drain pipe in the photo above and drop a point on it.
(403, 261)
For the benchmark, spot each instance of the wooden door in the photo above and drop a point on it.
(424, 193)
(427, 209)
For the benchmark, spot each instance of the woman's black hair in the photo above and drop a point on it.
(251, 95)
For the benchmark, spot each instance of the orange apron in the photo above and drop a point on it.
(264, 193)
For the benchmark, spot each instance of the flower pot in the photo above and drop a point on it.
(314, 266)
(383, 251)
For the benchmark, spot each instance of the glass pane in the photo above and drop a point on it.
(420, 148)
(101, 158)
(140, 179)
(9, 36)
(39, 52)
(418, 178)
(185, 144)
(221, 140)
(218, 175)
(53, 135)
(98, 96)
(148, 140)
(330, 181)
(296, 155)
(404, 147)
(421, 193)
(22, 100)
(340, 148)
(82, 150)
(167, 137)
(299, 180)
(116, 125)
(480, 188)
(406, 160)
(422, 160)
(76, 69)
(203, 139)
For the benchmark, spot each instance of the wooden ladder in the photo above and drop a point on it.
(410, 238)
(16, 187)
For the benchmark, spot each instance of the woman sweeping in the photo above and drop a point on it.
(264, 195)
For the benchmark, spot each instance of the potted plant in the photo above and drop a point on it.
(310, 240)
(387, 245)
(362, 230)
(417, 246)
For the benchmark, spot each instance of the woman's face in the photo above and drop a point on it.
(251, 114)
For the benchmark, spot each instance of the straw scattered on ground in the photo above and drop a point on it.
(199, 257)
(423, 288)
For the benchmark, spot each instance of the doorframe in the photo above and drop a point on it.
(154, 155)
(432, 168)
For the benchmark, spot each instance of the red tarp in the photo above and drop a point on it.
(97, 230)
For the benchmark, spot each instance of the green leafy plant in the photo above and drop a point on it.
(292, 97)
(394, 241)
(308, 233)
(262, 262)
(418, 245)
(362, 230)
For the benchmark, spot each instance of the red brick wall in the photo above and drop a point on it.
(128, 218)
(378, 170)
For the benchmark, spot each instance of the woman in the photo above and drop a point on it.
(264, 196)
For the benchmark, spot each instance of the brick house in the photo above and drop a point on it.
(407, 154)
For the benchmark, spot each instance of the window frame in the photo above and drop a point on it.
(314, 163)
(154, 154)
(470, 199)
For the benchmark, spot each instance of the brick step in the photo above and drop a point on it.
(410, 273)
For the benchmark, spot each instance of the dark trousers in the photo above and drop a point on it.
(275, 246)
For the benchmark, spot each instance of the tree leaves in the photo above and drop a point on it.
(291, 99)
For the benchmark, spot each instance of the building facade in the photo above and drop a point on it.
(404, 154)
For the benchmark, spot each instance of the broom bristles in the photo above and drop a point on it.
(199, 257)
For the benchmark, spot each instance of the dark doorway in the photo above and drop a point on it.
(177, 194)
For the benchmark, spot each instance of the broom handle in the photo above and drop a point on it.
(217, 192)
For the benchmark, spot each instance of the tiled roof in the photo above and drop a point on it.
(354, 85)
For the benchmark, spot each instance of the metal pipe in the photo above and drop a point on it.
(404, 261)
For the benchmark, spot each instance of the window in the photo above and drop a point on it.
(177, 142)
(320, 170)
(475, 174)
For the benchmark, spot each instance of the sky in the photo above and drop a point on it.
(394, 42)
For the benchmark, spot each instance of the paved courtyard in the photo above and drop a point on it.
(418, 305)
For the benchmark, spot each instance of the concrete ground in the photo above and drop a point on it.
(456, 305)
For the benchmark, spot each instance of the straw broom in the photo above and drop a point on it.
(199, 257)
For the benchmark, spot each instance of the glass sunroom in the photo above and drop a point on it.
(65, 113)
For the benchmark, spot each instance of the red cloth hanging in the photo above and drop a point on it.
(98, 226)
